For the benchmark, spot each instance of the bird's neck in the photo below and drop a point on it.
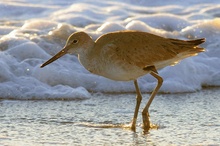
(86, 55)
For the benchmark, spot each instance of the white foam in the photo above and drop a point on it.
(110, 27)
(166, 22)
(29, 38)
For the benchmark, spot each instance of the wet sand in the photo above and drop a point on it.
(183, 119)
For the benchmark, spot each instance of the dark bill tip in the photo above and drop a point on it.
(55, 57)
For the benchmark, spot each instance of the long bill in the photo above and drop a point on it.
(55, 57)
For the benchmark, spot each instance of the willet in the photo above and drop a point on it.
(128, 55)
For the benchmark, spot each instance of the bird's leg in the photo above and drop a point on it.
(145, 114)
(138, 102)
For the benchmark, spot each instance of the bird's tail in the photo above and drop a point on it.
(188, 48)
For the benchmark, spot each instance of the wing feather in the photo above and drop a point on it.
(133, 47)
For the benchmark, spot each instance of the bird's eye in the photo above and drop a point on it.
(75, 41)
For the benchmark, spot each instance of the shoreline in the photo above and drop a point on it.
(206, 88)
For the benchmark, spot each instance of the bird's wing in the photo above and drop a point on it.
(139, 48)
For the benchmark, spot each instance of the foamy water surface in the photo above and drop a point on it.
(31, 32)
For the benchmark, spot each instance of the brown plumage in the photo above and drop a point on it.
(151, 49)
(127, 55)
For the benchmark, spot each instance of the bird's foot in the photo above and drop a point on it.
(131, 125)
(146, 122)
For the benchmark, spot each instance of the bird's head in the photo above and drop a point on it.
(75, 44)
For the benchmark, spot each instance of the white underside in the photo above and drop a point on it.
(121, 73)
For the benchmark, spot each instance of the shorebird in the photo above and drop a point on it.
(126, 56)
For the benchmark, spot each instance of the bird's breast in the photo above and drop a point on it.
(112, 69)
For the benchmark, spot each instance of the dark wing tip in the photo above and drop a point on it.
(197, 41)
(202, 40)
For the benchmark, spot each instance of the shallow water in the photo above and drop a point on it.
(183, 119)
(33, 31)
